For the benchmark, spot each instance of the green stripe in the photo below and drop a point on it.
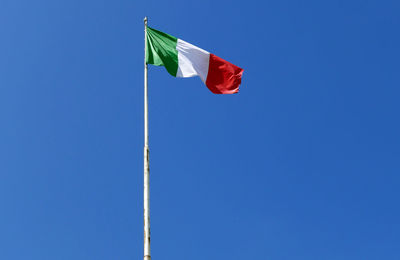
(161, 50)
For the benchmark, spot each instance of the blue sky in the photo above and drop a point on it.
(303, 163)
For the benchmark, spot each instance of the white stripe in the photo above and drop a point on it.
(192, 61)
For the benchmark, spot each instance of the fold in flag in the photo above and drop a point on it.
(182, 59)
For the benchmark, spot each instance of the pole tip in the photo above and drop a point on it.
(145, 20)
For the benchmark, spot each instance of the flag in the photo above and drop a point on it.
(182, 59)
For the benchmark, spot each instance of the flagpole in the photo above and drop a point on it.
(146, 190)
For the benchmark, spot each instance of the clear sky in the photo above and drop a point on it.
(302, 164)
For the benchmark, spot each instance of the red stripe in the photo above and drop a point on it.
(223, 77)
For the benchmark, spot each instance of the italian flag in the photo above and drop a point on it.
(182, 59)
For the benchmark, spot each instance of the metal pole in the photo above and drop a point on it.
(146, 197)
